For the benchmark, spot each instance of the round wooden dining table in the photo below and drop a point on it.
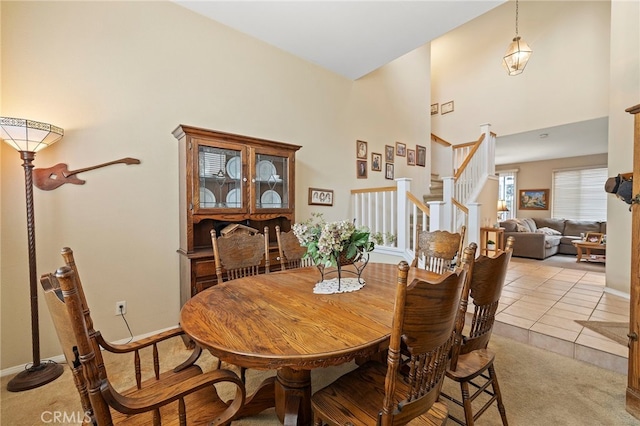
(276, 321)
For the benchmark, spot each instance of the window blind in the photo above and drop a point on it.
(579, 194)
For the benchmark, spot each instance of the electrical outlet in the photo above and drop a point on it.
(121, 307)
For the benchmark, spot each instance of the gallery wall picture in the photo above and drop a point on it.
(434, 109)
(361, 169)
(446, 108)
(388, 171)
(320, 197)
(376, 162)
(401, 149)
(421, 156)
(361, 149)
(389, 151)
(411, 157)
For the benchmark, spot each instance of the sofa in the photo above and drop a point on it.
(539, 238)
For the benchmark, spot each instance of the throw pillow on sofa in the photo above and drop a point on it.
(525, 225)
(548, 231)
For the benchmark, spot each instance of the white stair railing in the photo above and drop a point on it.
(391, 211)
(394, 211)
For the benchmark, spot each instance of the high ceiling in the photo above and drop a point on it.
(351, 38)
(354, 38)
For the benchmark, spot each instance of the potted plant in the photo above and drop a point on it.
(332, 243)
(389, 239)
(491, 245)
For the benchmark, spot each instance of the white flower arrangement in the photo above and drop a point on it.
(327, 242)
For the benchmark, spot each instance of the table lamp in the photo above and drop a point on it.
(29, 137)
(502, 207)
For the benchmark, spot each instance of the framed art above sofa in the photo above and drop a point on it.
(534, 199)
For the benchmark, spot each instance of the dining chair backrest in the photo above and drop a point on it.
(69, 260)
(58, 311)
(423, 328)
(290, 252)
(472, 362)
(438, 249)
(240, 254)
(106, 405)
(485, 288)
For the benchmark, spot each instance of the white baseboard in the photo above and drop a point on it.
(617, 293)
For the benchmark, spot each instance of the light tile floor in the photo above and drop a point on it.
(539, 304)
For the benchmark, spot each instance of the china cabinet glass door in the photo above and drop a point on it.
(271, 182)
(220, 175)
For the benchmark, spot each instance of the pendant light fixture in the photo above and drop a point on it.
(518, 53)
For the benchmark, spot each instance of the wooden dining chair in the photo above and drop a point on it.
(423, 326)
(240, 254)
(186, 397)
(136, 346)
(472, 362)
(290, 252)
(440, 249)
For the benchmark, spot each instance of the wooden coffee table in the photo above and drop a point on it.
(587, 247)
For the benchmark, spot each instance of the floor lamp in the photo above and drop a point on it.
(29, 137)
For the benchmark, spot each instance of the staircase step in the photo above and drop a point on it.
(431, 197)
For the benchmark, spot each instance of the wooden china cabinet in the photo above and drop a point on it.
(228, 179)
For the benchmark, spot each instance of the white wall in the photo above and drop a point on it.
(624, 93)
(585, 65)
(119, 77)
(566, 80)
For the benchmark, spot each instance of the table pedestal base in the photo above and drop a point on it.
(293, 397)
(289, 392)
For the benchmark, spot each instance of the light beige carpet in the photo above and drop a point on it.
(616, 331)
(538, 387)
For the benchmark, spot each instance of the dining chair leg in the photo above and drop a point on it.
(498, 394)
(466, 403)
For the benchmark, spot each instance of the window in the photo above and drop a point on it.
(579, 194)
(506, 191)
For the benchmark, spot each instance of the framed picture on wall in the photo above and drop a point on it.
(421, 156)
(320, 197)
(401, 149)
(388, 171)
(376, 162)
(534, 199)
(361, 166)
(411, 157)
(361, 149)
(388, 153)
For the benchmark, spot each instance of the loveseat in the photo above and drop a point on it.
(539, 238)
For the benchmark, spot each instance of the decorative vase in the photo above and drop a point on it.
(345, 266)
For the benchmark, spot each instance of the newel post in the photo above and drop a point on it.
(404, 186)
(473, 224)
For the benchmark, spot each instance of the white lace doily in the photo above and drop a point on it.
(331, 286)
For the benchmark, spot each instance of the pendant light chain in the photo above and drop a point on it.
(516, 18)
